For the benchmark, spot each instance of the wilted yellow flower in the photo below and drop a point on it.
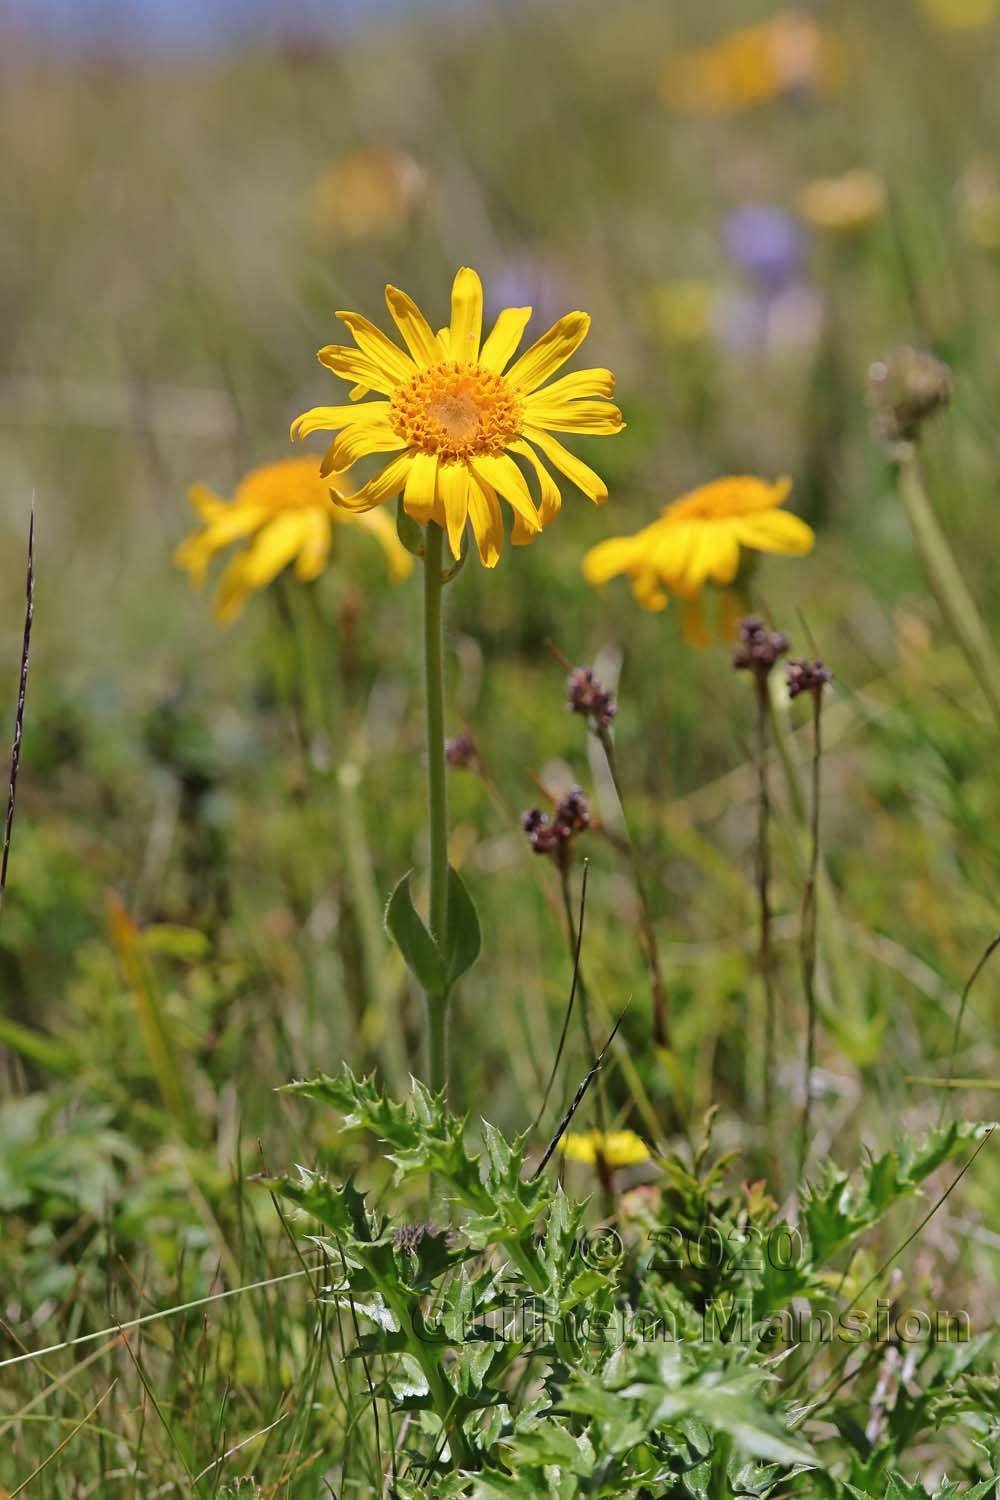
(788, 54)
(457, 416)
(283, 513)
(616, 1148)
(843, 204)
(697, 541)
(369, 194)
(960, 15)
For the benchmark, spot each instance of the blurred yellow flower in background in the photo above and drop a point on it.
(371, 193)
(616, 1148)
(979, 206)
(283, 513)
(697, 541)
(456, 417)
(960, 15)
(789, 54)
(845, 204)
(683, 310)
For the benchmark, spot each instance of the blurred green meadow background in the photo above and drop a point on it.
(179, 936)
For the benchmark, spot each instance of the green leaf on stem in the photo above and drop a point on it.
(465, 938)
(420, 952)
(409, 531)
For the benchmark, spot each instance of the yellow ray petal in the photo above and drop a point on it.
(726, 555)
(487, 521)
(332, 418)
(567, 463)
(502, 474)
(205, 502)
(193, 557)
(382, 352)
(414, 327)
(317, 531)
(551, 499)
(572, 387)
(196, 551)
(619, 554)
(233, 590)
(597, 417)
(386, 483)
(454, 481)
(775, 531)
(356, 442)
(580, 1146)
(274, 547)
(349, 363)
(694, 627)
(648, 591)
(670, 553)
(420, 495)
(549, 352)
(733, 495)
(466, 316)
(507, 333)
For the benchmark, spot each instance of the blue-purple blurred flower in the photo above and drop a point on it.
(779, 309)
(767, 243)
(528, 281)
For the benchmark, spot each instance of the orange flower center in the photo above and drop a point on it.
(456, 411)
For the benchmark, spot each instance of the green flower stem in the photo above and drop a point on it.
(945, 576)
(437, 792)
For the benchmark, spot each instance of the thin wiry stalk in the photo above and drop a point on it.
(762, 875)
(988, 953)
(574, 938)
(808, 929)
(15, 754)
(567, 1118)
(647, 935)
(574, 986)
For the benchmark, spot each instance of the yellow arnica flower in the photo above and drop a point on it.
(617, 1148)
(697, 541)
(844, 204)
(788, 54)
(458, 413)
(283, 513)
